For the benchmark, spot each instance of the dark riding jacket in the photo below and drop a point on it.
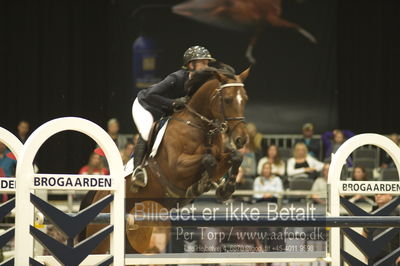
(158, 98)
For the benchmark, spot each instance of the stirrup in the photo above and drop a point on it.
(138, 178)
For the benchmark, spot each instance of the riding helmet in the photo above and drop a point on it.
(196, 53)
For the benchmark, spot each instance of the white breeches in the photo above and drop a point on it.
(143, 119)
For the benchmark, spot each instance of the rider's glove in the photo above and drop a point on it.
(179, 103)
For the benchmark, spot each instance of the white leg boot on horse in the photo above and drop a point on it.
(139, 175)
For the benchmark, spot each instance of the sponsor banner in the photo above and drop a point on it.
(369, 187)
(72, 182)
(7, 184)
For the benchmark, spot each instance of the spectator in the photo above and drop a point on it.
(273, 156)
(256, 139)
(360, 174)
(242, 182)
(127, 151)
(135, 139)
(332, 140)
(94, 167)
(302, 164)
(23, 130)
(249, 163)
(267, 185)
(387, 161)
(370, 233)
(113, 131)
(7, 165)
(313, 145)
(320, 186)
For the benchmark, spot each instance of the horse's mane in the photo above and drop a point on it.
(202, 76)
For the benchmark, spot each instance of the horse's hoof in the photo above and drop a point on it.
(224, 192)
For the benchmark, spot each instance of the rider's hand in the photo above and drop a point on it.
(179, 103)
(309, 169)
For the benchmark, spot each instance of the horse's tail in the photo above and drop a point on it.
(86, 201)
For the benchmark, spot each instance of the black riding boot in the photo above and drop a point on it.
(139, 152)
(139, 175)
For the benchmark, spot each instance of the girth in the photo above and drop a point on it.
(171, 191)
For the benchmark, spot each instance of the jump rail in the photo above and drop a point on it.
(256, 221)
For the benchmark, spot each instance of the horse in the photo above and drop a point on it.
(240, 15)
(192, 156)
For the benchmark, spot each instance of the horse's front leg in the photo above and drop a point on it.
(225, 190)
(203, 185)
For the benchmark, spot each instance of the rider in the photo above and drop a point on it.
(162, 99)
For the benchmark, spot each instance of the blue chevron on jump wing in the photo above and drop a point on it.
(389, 259)
(371, 248)
(9, 262)
(71, 225)
(352, 209)
(388, 208)
(7, 236)
(70, 255)
(6, 208)
(350, 259)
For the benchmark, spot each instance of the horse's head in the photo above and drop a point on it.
(228, 103)
(218, 95)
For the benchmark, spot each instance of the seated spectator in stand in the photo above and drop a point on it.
(303, 165)
(381, 200)
(135, 138)
(387, 161)
(256, 140)
(7, 165)
(273, 156)
(243, 183)
(267, 185)
(94, 167)
(23, 130)
(313, 145)
(360, 174)
(320, 186)
(127, 152)
(113, 131)
(249, 163)
(332, 140)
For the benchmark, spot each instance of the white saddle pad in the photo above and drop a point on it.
(158, 140)
(128, 167)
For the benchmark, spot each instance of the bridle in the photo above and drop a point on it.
(216, 125)
(219, 93)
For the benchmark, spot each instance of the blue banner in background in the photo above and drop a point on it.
(144, 63)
